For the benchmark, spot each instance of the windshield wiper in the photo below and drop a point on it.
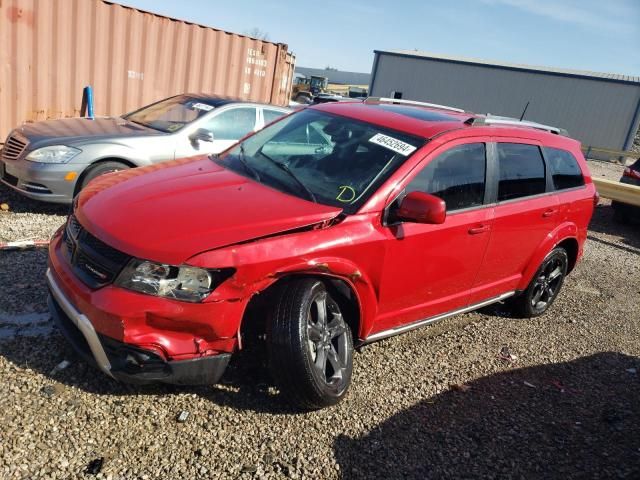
(146, 125)
(254, 173)
(285, 168)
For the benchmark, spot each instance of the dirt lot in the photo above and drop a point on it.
(561, 401)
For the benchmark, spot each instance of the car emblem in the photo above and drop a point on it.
(96, 272)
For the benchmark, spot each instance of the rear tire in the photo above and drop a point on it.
(310, 347)
(100, 169)
(544, 287)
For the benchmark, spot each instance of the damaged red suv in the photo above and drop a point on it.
(337, 226)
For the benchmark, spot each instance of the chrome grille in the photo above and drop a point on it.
(13, 147)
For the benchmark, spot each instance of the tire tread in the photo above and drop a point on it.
(286, 344)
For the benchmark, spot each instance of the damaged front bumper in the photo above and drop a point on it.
(127, 362)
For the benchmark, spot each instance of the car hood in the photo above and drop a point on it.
(70, 131)
(170, 212)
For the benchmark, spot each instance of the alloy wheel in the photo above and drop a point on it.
(327, 340)
(546, 284)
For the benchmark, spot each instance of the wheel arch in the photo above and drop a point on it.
(88, 168)
(344, 290)
(565, 236)
(572, 247)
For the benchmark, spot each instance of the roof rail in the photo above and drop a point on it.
(412, 102)
(496, 120)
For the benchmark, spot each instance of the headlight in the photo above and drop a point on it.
(54, 154)
(190, 284)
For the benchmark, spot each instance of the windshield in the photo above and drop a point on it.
(172, 114)
(321, 157)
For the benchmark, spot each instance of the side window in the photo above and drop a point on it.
(232, 124)
(457, 176)
(564, 169)
(271, 115)
(521, 171)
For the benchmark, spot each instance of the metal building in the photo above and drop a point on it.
(336, 76)
(599, 109)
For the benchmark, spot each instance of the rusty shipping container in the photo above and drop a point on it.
(51, 49)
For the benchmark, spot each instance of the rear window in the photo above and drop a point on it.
(564, 169)
(521, 170)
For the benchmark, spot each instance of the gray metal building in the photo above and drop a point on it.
(599, 109)
(336, 76)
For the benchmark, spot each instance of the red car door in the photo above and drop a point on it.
(429, 269)
(527, 210)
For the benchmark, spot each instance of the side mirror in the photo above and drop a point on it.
(420, 207)
(201, 135)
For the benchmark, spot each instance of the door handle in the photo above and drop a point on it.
(550, 212)
(479, 229)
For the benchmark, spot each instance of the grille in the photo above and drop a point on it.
(93, 261)
(101, 250)
(13, 147)
(73, 226)
(90, 272)
(69, 243)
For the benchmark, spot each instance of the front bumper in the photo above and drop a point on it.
(181, 330)
(40, 181)
(126, 362)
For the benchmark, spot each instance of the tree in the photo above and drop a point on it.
(255, 32)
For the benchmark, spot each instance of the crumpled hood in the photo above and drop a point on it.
(170, 212)
(75, 131)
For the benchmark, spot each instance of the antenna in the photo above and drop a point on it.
(524, 111)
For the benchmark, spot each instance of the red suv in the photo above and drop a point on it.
(337, 226)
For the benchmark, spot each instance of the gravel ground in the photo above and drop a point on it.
(28, 219)
(560, 402)
(636, 142)
(606, 170)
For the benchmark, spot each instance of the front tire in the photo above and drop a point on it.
(310, 346)
(544, 287)
(100, 169)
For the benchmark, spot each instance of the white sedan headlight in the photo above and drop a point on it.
(53, 154)
(191, 284)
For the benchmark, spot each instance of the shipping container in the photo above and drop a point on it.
(51, 49)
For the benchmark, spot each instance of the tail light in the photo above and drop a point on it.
(596, 199)
(631, 173)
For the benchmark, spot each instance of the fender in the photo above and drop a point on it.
(236, 290)
(106, 150)
(562, 232)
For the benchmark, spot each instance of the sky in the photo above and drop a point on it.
(596, 35)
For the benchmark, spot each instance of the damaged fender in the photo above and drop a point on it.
(266, 261)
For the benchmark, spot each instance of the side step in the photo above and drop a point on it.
(421, 323)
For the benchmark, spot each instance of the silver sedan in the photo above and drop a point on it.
(53, 160)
